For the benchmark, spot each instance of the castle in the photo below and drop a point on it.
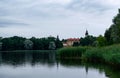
(70, 41)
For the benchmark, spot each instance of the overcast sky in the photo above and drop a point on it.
(66, 18)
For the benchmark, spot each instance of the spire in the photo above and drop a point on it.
(86, 33)
(57, 36)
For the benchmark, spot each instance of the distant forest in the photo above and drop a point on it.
(20, 43)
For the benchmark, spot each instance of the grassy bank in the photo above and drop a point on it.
(71, 52)
(109, 54)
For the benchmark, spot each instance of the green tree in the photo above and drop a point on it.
(87, 41)
(101, 41)
(52, 46)
(0, 45)
(28, 44)
(76, 44)
(37, 43)
(20, 43)
(13, 43)
(58, 43)
(112, 35)
(107, 36)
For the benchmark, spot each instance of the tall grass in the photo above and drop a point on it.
(109, 54)
(71, 52)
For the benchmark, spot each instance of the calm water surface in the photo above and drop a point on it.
(44, 65)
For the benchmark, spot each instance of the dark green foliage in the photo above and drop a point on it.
(87, 41)
(52, 46)
(101, 41)
(43, 43)
(108, 36)
(112, 35)
(40, 44)
(28, 44)
(58, 43)
(13, 43)
(64, 40)
(76, 44)
(17, 43)
(1, 43)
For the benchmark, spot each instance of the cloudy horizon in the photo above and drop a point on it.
(66, 18)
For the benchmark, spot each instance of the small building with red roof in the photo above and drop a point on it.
(71, 41)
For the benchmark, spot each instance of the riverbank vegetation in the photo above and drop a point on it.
(71, 52)
(109, 55)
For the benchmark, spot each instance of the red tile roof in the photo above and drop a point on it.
(73, 39)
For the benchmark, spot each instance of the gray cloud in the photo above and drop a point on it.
(69, 18)
(6, 23)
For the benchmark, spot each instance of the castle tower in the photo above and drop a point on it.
(86, 33)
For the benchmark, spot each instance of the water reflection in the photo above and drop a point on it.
(22, 58)
(110, 72)
(41, 62)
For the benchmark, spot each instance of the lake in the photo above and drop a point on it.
(35, 64)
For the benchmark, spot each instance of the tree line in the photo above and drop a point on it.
(91, 41)
(112, 34)
(21, 43)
